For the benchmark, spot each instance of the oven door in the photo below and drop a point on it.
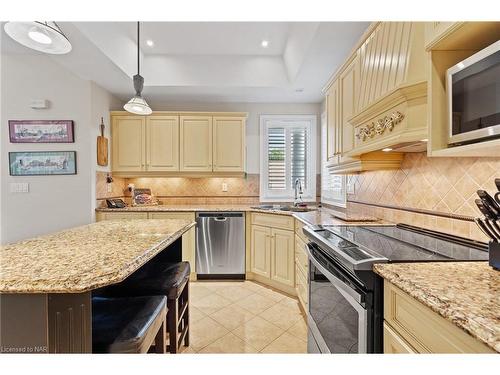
(337, 317)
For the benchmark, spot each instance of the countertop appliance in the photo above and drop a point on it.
(473, 87)
(220, 245)
(345, 295)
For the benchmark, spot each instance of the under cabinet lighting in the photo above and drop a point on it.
(387, 149)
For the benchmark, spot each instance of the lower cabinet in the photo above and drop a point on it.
(272, 257)
(412, 327)
(301, 272)
(188, 238)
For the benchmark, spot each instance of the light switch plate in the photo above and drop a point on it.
(224, 186)
(19, 187)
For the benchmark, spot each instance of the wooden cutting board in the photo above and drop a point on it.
(102, 147)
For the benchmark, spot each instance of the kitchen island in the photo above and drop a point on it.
(46, 283)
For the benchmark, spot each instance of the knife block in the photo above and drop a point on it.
(494, 251)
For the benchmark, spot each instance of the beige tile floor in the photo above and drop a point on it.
(244, 317)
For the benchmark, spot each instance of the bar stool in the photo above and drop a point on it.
(167, 279)
(128, 325)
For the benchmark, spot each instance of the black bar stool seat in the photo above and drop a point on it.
(128, 325)
(162, 278)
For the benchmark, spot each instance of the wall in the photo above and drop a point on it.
(445, 185)
(53, 202)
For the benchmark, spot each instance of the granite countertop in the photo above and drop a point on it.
(325, 216)
(85, 257)
(465, 293)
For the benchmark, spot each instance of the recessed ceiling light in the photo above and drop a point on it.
(387, 149)
(265, 43)
(150, 43)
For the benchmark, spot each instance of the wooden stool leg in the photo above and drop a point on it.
(186, 314)
(160, 338)
(172, 325)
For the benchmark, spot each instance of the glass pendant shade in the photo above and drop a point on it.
(138, 106)
(41, 36)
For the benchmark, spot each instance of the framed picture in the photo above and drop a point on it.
(41, 131)
(42, 163)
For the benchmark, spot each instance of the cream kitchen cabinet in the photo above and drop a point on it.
(228, 144)
(332, 129)
(436, 31)
(412, 327)
(162, 143)
(301, 266)
(141, 144)
(272, 251)
(128, 136)
(196, 143)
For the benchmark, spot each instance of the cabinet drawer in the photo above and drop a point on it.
(395, 344)
(172, 215)
(273, 221)
(301, 287)
(300, 254)
(422, 328)
(122, 215)
(298, 230)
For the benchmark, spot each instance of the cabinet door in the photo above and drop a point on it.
(162, 143)
(261, 251)
(283, 256)
(196, 143)
(395, 344)
(128, 143)
(332, 119)
(348, 89)
(229, 144)
(188, 238)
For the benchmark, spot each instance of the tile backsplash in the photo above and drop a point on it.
(446, 185)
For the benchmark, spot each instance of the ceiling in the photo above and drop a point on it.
(209, 61)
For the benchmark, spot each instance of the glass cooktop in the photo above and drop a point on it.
(396, 244)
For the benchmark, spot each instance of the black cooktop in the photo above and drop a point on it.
(398, 244)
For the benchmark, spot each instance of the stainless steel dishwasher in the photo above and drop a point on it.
(220, 245)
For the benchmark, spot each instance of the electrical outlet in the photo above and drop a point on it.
(19, 187)
(224, 186)
(110, 188)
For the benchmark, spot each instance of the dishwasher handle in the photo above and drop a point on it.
(220, 218)
(220, 215)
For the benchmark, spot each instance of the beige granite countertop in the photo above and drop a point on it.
(85, 257)
(465, 293)
(324, 216)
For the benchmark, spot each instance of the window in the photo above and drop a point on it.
(288, 145)
(333, 187)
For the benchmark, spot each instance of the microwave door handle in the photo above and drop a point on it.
(354, 298)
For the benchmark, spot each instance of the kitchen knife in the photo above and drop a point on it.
(485, 210)
(497, 194)
(487, 223)
(495, 226)
(489, 202)
(484, 229)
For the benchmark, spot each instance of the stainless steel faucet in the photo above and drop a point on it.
(298, 192)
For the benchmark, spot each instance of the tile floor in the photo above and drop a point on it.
(244, 317)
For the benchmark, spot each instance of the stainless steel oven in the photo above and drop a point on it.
(473, 90)
(339, 316)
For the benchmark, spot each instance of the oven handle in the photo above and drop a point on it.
(354, 298)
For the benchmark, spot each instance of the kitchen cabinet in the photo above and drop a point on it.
(188, 238)
(178, 144)
(196, 143)
(436, 31)
(272, 251)
(229, 144)
(332, 129)
(410, 326)
(261, 251)
(128, 143)
(301, 266)
(162, 143)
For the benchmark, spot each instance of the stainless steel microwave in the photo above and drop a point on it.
(473, 90)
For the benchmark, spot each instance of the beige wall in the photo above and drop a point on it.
(445, 185)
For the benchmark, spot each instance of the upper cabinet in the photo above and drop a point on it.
(196, 143)
(229, 151)
(128, 143)
(176, 143)
(162, 143)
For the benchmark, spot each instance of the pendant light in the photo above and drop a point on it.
(43, 36)
(137, 105)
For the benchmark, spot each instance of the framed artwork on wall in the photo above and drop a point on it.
(41, 131)
(42, 163)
